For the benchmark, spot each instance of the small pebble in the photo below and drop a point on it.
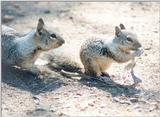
(36, 100)
(47, 11)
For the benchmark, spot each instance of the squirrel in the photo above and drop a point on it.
(23, 51)
(97, 55)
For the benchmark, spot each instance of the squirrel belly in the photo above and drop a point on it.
(94, 57)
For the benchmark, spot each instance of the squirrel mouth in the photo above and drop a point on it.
(131, 50)
(135, 49)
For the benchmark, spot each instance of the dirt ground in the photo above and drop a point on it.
(27, 95)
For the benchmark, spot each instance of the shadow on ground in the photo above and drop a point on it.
(111, 87)
(25, 80)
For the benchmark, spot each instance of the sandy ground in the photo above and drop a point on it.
(27, 95)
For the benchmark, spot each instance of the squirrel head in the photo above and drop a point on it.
(46, 39)
(126, 40)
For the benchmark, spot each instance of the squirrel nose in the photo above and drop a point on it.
(61, 41)
(139, 45)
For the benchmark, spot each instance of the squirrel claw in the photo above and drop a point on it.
(135, 78)
(105, 74)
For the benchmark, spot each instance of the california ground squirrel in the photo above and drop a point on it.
(97, 54)
(24, 50)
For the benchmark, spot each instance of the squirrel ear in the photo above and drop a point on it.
(117, 30)
(40, 24)
(122, 26)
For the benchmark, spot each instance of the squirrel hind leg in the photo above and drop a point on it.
(91, 73)
(92, 69)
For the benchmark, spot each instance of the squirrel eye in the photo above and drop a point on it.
(53, 35)
(40, 33)
(129, 39)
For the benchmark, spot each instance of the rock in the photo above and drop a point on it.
(145, 54)
(90, 104)
(122, 101)
(147, 48)
(36, 100)
(70, 17)
(47, 11)
(79, 94)
(16, 6)
(7, 18)
(52, 108)
(133, 100)
(152, 108)
(37, 112)
(155, 31)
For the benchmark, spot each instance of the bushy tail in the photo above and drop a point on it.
(60, 61)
